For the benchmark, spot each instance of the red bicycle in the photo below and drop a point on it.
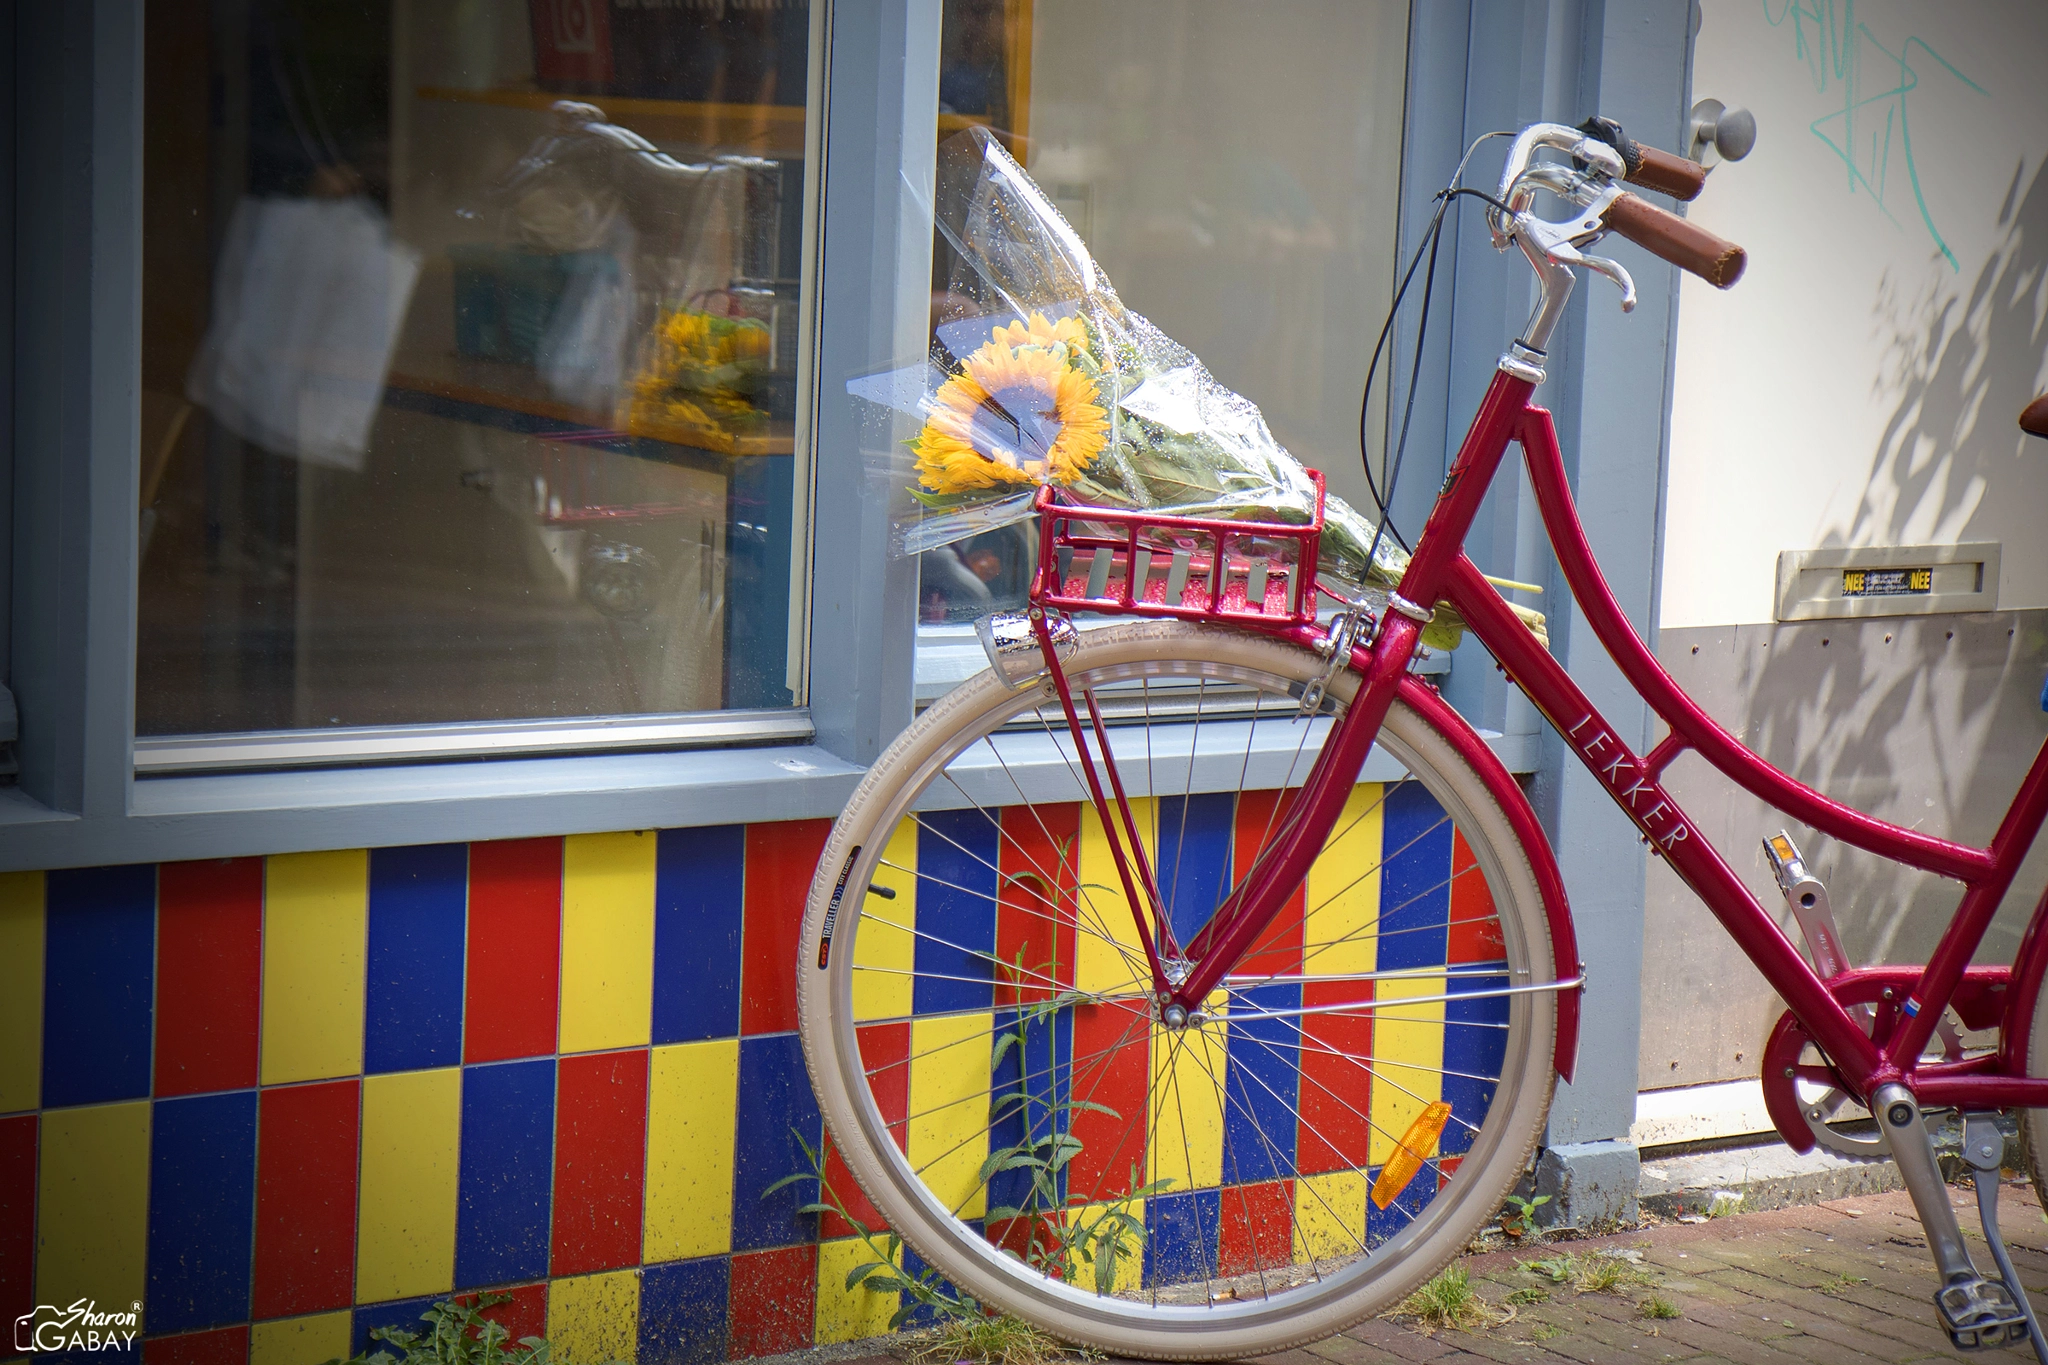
(1196, 986)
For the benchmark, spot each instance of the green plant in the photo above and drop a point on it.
(1518, 1215)
(989, 1341)
(1558, 1269)
(1657, 1306)
(1599, 1273)
(457, 1333)
(1521, 1298)
(1449, 1300)
(1842, 1284)
(885, 1273)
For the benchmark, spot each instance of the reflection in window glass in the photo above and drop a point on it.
(469, 360)
(1234, 170)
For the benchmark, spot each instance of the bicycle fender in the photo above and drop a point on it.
(1564, 941)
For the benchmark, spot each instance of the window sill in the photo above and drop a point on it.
(225, 815)
(240, 814)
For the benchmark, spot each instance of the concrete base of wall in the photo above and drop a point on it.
(1589, 1184)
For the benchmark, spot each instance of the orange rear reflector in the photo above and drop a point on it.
(1417, 1145)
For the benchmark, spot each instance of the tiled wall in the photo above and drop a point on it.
(284, 1100)
(281, 1101)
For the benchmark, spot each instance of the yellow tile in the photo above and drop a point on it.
(595, 1319)
(300, 1341)
(1344, 890)
(21, 990)
(1126, 1248)
(1108, 954)
(93, 1200)
(607, 940)
(405, 1238)
(850, 1314)
(1329, 1216)
(1186, 1144)
(1408, 1041)
(692, 1109)
(949, 1098)
(885, 949)
(316, 913)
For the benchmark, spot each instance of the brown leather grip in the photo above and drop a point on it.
(1665, 173)
(1686, 245)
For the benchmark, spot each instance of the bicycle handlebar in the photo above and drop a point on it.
(1657, 170)
(1685, 244)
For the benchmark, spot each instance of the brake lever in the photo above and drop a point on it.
(1560, 242)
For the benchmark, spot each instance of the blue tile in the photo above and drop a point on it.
(1028, 1085)
(202, 1206)
(698, 900)
(1475, 1042)
(1195, 838)
(508, 1159)
(683, 1312)
(776, 1107)
(1262, 1088)
(413, 997)
(1180, 1236)
(400, 1313)
(956, 911)
(1415, 879)
(99, 978)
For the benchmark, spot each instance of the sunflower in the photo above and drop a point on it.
(1016, 414)
(1036, 331)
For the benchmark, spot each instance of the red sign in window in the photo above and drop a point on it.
(572, 40)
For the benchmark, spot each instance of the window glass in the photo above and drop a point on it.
(470, 338)
(1235, 171)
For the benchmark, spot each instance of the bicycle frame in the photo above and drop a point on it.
(1441, 571)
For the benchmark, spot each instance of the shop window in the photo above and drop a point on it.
(1234, 170)
(469, 378)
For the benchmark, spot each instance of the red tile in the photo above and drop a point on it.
(209, 971)
(1038, 901)
(1278, 949)
(1475, 925)
(773, 1301)
(885, 1052)
(526, 1315)
(1336, 1091)
(17, 1216)
(306, 1199)
(781, 857)
(221, 1346)
(512, 987)
(1111, 1067)
(1258, 1227)
(600, 1161)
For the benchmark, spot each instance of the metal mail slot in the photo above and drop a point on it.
(1887, 580)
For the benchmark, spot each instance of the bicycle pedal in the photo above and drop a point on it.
(1980, 1315)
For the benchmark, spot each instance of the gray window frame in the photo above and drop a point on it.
(68, 613)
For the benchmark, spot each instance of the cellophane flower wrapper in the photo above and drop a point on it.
(1039, 374)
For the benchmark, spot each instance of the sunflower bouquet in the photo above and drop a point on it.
(701, 369)
(1042, 376)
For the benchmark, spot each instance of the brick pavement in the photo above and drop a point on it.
(1842, 1283)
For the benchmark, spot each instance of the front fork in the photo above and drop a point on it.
(1183, 977)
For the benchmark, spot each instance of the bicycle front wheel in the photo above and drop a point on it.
(1345, 1114)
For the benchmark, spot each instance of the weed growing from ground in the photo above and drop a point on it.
(1657, 1306)
(1449, 1300)
(989, 1341)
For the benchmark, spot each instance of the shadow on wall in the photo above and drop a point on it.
(1930, 721)
(1920, 721)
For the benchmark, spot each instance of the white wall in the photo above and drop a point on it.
(1860, 385)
